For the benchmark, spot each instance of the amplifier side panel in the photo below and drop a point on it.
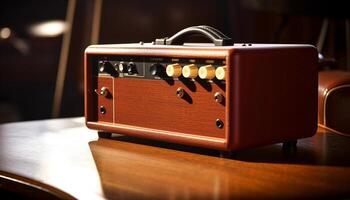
(274, 95)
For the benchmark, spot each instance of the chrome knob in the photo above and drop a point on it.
(103, 92)
(219, 98)
(180, 92)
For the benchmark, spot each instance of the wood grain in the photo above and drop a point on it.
(63, 156)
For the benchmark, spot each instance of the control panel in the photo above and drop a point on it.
(162, 68)
(145, 91)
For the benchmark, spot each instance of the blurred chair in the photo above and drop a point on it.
(334, 101)
(82, 18)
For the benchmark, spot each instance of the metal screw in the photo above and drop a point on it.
(103, 92)
(180, 92)
(102, 110)
(219, 123)
(218, 97)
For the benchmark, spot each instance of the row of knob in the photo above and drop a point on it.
(172, 70)
(122, 67)
(192, 71)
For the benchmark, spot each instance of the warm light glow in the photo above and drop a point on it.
(48, 28)
(5, 33)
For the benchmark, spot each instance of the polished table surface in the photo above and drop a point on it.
(63, 158)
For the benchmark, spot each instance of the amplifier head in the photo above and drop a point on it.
(221, 97)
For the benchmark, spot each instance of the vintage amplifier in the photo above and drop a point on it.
(221, 95)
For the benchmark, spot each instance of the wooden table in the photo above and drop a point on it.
(63, 159)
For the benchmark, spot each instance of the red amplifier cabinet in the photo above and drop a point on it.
(221, 97)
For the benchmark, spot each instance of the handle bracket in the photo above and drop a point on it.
(217, 37)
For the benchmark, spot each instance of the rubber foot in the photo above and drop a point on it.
(102, 134)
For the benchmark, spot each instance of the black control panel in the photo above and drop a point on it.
(155, 68)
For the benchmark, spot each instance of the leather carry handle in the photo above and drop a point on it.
(217, 37)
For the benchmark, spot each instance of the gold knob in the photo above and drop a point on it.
(190, 71)
(207, 72)
(220, 73)
(173, 70)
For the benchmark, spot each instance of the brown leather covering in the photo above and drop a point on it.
(274, 91)
(334, 100)
(268, 88)
(155, 105)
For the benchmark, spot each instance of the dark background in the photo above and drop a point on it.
(27, 79)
